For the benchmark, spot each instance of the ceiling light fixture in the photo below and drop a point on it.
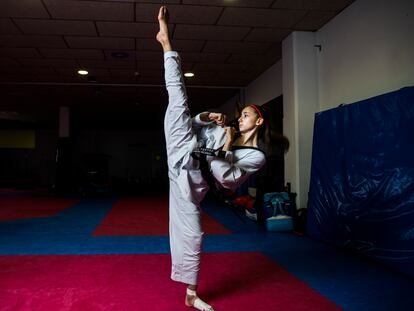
(189, 74)
(83, 72)
(119, 54)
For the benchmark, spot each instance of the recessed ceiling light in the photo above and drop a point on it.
(83, 72)
(120, 54)
(189, 74)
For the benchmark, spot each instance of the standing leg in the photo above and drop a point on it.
(185, 237)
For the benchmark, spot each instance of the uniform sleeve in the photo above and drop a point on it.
(231, 175)
(197, 122)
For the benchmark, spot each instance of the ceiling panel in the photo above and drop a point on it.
(180, 14)
(163, 2)
(72, 53)
(123, 72)
(179, 45)
(20, 52)
(131, 55)
(209, 32)
(95, 63)
(193, 14)
(30, 62)
(227, 44)
(101, 43)
(56, 27)
(132, 30)
(27, 71)
(261, 17)
(236, 47)
(149, 56)
(146, 12)
(324, 5)
(188, 45)
(7, 27)
(231, 68)
(239, 3)
(254, 59)
(314, 20)
(8, 62)
(152, 66)
(23, 8)
(148, 73)
(267, 34)
(31, 41)
(213, 58)
(90, 10)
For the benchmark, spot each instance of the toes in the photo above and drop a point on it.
(162, 14)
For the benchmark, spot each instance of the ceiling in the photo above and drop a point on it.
(226, 43)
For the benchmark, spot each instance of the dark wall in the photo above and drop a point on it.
(30, 167)
(134, 156)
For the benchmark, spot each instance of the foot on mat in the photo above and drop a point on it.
(192, 300)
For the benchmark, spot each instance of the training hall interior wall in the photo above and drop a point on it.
(365, 51)
(133, 157)
(265, 87)
(136, 156)
(25, 167)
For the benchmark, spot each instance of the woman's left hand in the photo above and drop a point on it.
(218, 118)
(229, 132)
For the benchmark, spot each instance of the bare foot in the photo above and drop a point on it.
(162, 35)
(190, 301)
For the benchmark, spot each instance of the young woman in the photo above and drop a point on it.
(192, 144)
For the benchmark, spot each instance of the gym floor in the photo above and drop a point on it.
(113, 254)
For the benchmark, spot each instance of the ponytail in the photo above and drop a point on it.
(269, 140)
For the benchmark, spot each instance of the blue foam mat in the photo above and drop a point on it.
(351, 282)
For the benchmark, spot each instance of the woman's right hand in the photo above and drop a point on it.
(218, 118)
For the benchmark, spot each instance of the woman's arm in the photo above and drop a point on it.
(229, 132)
(231, 175)
(207, 117)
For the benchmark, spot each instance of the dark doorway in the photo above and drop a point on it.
(271, 178)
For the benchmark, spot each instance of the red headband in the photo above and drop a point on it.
(257, 110)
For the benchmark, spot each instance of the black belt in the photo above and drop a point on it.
(208, 152)
(201, 154)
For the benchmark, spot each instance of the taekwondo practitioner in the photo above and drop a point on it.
(193, 143)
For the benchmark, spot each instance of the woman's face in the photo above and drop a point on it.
(248, 120)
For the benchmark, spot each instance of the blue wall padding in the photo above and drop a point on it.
(361, 192)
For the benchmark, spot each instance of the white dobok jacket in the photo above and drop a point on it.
(230, 171)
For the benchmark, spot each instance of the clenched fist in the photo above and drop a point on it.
(218, 118)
